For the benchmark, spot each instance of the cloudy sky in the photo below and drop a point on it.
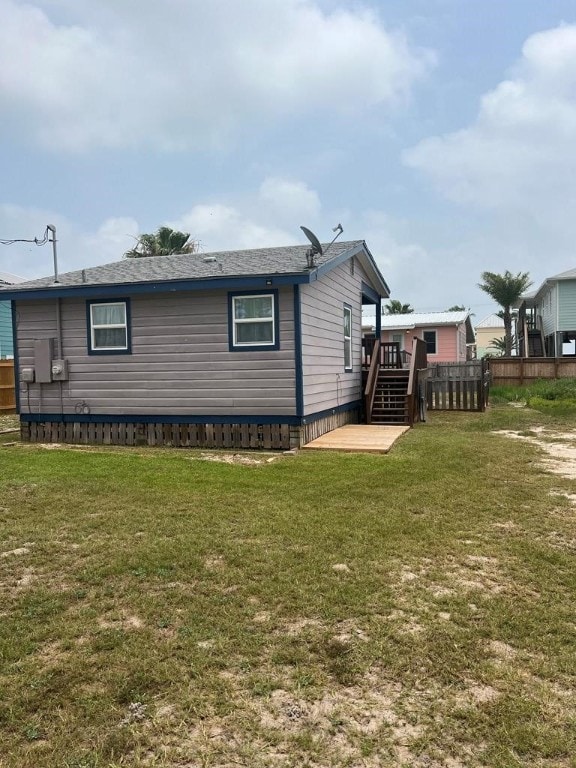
(442, 132)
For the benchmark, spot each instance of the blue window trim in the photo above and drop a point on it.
(350, 368)
(253, 347)
(128, 350)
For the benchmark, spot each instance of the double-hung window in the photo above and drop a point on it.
(253, 320)
(347, 338)
(108, 327)
(431, 342)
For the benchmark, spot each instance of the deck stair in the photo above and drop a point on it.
(535, 344)
(391, 397)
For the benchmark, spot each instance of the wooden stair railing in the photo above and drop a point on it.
(372, 381)
(391, 356)
(418, 362)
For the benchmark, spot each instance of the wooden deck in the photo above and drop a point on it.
(370, 438)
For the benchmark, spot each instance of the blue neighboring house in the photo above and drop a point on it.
(6, 342)
(547, 318)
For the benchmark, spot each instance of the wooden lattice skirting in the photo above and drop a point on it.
(229, 436)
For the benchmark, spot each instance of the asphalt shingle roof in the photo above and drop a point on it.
(285, 260)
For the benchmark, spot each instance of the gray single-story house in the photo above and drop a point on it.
(237, 349)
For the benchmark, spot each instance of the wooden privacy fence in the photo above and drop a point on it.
(457, 386)
(522, 371)
(7, 389)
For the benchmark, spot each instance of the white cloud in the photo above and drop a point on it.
(289, 200)
(256, 221)
(518, 155)
(111, 240)
(190, 74)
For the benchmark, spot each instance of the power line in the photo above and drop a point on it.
(36, 240)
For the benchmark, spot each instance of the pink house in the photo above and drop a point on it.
(449, 336)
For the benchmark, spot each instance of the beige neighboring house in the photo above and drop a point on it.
(491, 327)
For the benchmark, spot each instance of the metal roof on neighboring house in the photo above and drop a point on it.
(430, 319)
(570, 274)
(281, 261)
(411, 319)
(491, 321)
(7, 279)
(531, 297)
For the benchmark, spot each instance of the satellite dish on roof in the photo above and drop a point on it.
(315, 243)
(316, 247)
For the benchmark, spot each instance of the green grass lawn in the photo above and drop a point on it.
(319, 610)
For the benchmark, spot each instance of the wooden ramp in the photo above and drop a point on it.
(371, 438)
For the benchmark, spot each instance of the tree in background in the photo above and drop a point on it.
(395, 307)
(499, 346)
(457, 308)
(162, 243)
(505, 289)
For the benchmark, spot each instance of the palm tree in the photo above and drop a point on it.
(395, 307)
(505, 289)
(162, 243)
(499, 346)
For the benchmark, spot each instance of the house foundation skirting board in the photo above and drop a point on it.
(247, 435)
(327, 423)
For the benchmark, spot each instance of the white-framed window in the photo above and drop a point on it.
(253, 320)
(108, 327)
(398, 338)
(430, 338)
(347, 337)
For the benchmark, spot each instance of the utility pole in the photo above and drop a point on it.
(52, 229)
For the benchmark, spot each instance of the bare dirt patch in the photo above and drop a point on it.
(560, 448)
(236, 458)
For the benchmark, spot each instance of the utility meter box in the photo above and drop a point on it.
(59, 370)
(27, 375)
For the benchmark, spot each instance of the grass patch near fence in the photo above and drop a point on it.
(161, 609)
(552, 395)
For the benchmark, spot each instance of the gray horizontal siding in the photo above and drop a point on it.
(326, 384)
(180, 362)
